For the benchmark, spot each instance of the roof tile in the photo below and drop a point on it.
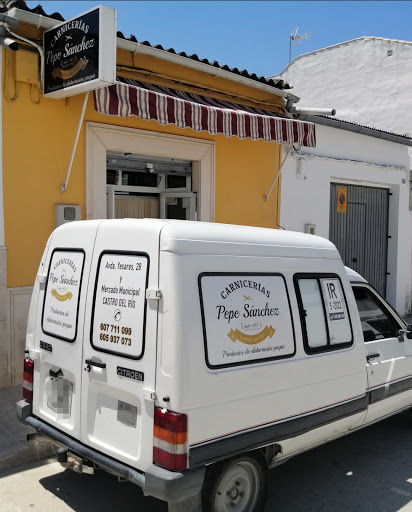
(277, 83)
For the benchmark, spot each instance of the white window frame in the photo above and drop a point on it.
(101, 138)
(191, 196)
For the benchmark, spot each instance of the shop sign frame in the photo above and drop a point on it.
(80, 54)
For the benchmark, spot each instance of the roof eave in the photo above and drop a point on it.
(43, 22)
(356, 128)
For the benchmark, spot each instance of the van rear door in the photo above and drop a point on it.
(120, 334)
(58, 333)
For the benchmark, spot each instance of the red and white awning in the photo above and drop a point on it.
(186, 110)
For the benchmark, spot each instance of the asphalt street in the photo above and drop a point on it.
(368, 471)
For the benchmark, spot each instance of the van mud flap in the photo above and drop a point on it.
(160, 483)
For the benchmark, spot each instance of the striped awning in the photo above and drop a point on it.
(186, 110)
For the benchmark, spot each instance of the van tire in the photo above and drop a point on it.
(237, 485)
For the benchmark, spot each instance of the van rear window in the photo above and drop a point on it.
(119, 306)
(323, 311)
(246, 318)
(61, 298)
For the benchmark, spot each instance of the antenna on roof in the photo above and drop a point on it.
(294, 36)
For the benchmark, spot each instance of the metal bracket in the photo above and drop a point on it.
(34, 354)
(41, 278)
(153, 294)
(149, 395)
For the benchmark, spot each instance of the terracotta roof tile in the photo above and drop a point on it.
(278, 83)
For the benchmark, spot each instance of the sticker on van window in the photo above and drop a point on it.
(334, 303)
(62, 294)
(119, 305)
(245, 318)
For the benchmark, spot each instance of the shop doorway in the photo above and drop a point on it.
(141, 186)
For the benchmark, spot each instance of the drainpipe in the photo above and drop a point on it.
(308, 111)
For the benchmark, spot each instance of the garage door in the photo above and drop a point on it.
(359, 228)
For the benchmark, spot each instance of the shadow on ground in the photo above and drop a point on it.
(100, 492)
(368, 471)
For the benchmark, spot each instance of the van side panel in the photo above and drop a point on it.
(250, 405)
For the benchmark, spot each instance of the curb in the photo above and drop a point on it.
(34, 451)
(14, 447)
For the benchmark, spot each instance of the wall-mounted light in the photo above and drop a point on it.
(8, 42)
(5, 23)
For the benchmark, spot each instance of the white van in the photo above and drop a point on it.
(191, 357)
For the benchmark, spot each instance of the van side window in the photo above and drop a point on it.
(62, 294)
(377, 323)
(323, 311)
(119, 306)
(317, 335)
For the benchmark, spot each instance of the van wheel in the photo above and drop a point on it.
(236, 485)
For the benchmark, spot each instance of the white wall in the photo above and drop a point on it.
(361, 160)
(358, 78)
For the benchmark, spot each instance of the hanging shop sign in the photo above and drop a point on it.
(80, 54)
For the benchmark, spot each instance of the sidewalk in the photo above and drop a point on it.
(14, 447)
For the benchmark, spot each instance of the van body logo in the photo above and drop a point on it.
(61, 298)
(130, 374)
(251, 339)
(256, 306)
(245, 317)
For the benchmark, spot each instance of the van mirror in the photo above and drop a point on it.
(405, 334)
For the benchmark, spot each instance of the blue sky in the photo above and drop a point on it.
(252, 35)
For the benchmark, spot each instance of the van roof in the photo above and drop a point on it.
(211, 238)
(193, 237)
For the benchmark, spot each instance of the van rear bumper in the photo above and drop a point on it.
(169, 486)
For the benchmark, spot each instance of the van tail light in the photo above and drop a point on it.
(28, 379)
(170, 439)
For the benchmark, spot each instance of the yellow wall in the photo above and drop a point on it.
(37, 143)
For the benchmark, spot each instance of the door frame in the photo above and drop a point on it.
(101, 138)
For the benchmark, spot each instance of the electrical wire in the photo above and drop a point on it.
(16, 86)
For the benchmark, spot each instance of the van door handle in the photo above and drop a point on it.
(90, 362)
(372, 356)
